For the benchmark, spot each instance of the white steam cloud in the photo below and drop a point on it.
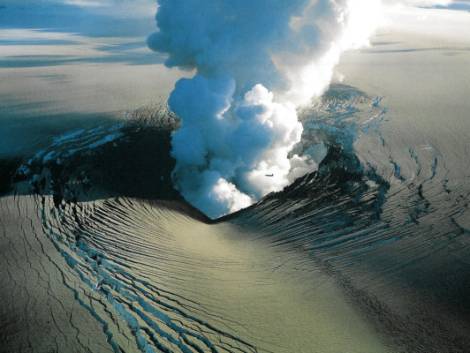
(255, 63)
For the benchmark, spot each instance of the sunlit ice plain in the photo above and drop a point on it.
(318, 204)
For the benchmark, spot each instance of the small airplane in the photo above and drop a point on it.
(98, 285)
(270, 175)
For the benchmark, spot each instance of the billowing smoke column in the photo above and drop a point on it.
(255, 62)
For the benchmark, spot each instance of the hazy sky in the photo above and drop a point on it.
(83, 57)
(136, 17)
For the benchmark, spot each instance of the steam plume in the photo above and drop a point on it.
(255, 62)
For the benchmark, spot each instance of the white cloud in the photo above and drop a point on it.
(418, 2)
(84, 3)
(256, 63)
(421, 18)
